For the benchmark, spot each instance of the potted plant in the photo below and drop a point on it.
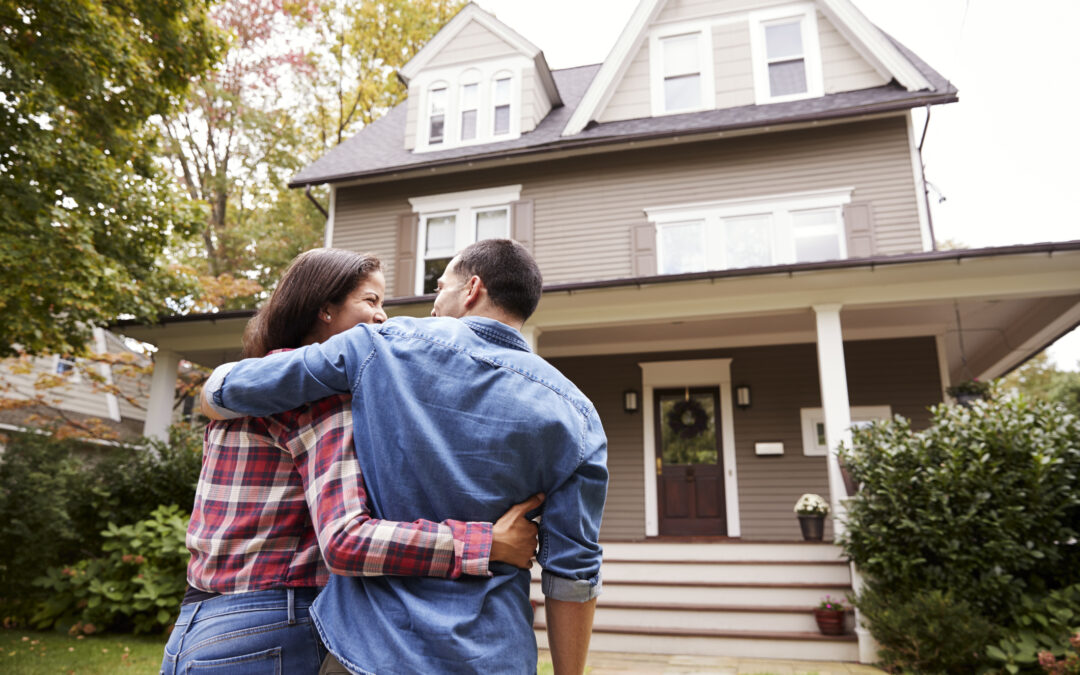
(829, 616)
(969, 391)
(812, 510)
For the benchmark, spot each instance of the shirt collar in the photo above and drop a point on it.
(496, 331)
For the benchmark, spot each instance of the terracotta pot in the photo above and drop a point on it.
(813, 527)
(829, 621)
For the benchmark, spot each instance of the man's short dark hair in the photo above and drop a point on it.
(509, 273)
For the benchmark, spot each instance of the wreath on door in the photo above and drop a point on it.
(687, 419)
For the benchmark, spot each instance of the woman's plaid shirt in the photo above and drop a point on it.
(276, 490)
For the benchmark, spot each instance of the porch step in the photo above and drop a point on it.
(716, 598)
(701, 642)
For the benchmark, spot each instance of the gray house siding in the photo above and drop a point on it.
(586, 208)
(901, 373)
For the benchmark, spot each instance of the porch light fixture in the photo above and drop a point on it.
(742, 396)
(630, 400)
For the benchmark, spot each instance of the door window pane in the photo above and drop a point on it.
(748, 241)
(682, 247)
(688, 428)
(492, 224)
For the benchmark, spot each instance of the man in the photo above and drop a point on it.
(454, 418)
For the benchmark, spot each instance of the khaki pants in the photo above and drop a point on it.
(331, 666)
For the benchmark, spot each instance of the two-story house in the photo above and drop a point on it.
(730, 216)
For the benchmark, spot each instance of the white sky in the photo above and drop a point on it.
(1004, 157)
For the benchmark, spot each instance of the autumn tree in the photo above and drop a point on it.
(85, 214)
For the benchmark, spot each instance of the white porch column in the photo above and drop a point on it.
(832, 371)
(532, 336)
(162, 394)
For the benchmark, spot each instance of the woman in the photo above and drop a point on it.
(281, 504)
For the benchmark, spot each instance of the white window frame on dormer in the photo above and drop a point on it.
(806, 15)
(470, 78)
(455, 78)
(464, 207)
(707, 84)
(714, 220)
(429, 112)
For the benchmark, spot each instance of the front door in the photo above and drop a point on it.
(689, 464)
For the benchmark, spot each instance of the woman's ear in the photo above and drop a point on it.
(324, 314)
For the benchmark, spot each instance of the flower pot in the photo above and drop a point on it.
(813, 527)
(829, 621)
(967, 399)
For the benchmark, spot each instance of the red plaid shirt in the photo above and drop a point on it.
(275, 490)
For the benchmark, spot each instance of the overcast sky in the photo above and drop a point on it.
(1005, 157)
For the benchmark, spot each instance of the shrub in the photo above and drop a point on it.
(1042, 625)
(981, 506)
(137, 583)
(55, 496)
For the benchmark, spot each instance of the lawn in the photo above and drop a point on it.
(33, 652)
(45, 653)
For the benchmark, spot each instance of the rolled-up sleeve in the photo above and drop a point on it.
(569, 551)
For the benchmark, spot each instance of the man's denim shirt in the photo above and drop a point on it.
(452, 419)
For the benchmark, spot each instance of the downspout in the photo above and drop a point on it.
(926, 186)
(307, 193)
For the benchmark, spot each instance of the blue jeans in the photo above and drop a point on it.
(258, 632)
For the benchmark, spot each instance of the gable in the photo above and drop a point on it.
(679, 56)
(473, 43)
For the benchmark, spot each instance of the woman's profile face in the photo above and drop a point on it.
(363, 305)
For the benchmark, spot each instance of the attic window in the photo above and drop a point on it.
(501, 99)
(437, 114)
(784, 54)
(470, 97)
(682, 72)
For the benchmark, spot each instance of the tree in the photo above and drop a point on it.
(1040, 379)
(86, 214)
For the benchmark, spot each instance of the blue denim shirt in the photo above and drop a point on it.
(452, 419)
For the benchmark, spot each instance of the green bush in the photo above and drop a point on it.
(982, 506)
(137, 583)
(1042, 625)
(56, 496)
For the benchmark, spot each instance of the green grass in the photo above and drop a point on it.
(24, 652)
(33, 652)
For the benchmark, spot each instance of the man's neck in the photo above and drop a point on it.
(497, 315)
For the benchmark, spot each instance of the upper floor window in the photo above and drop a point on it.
(750, 233)
(681, 66)
(500, 98)
(478, 104)
(436, 114)
(450, 222)
(786, 53)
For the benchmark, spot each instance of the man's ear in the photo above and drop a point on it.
(475, 291)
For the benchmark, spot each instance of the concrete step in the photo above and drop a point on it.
(730, 572)
(733, 550)
(702, 642)
(691, 616)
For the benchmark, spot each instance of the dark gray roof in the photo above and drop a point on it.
(379, 148)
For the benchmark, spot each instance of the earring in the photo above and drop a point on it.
(328, 316)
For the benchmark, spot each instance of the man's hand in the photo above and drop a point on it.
(513, 537)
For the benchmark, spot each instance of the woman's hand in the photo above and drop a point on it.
(513, 537)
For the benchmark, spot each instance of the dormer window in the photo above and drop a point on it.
(786, 54)
(500, 98)
(680, 64)
(436, 114)
(470, 104)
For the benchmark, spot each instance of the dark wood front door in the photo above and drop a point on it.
(689, 464)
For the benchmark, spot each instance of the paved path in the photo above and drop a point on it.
(611, 663)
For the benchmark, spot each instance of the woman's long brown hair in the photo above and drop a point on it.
(315, 278)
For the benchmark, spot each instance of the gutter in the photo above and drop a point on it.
(307, 193)
(561, 145)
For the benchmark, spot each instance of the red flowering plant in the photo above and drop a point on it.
(1070, 665)
(828, 604)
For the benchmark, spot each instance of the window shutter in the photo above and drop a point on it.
(521, 222)
(643, 245)
(408, 227)
(859, 226)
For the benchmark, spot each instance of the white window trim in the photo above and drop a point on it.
(705, 59)
(806, 13)
(696, 373)
(811, 417)
(483, 74)
(464, 206)
(779, 207)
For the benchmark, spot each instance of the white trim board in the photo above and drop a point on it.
(692, 373)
